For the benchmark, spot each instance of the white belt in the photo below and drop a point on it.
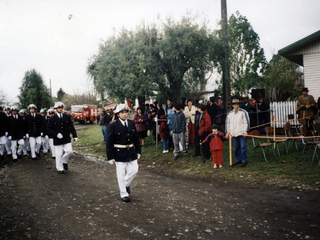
(123, 146)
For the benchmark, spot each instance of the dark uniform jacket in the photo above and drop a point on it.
(4, 124)
(118, 134)
(17, 127)
(62, 125)
(45, 122)
(35, 125)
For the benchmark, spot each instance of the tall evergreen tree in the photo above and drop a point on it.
(34, 91)
(246, 57)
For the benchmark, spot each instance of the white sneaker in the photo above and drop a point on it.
(220, 166)
(165, 151)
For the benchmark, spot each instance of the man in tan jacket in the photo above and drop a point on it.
(306, 108)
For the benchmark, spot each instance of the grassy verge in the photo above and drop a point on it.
(286, 171)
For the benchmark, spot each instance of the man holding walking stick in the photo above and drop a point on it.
(237, 127)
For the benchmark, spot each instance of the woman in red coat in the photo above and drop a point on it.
(141, 124)
(164, 133)
(216, 145)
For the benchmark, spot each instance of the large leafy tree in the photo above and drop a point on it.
(282, 79)
(137, 63)
(186, 54)
(34, 91)
(246, 57)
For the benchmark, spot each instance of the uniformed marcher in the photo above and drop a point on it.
(35, 127)
(51, 135)
(44, 137)
(7, 145)
(4, 128)
(23, 114)
(59, 126)
(16, 133)
(123, 147)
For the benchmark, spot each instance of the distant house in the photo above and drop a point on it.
(306, 53)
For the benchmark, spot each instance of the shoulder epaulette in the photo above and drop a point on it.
(113, 121)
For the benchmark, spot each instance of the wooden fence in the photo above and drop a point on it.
(281, 110)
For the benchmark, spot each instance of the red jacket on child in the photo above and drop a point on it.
(215, 141)
(205, 124)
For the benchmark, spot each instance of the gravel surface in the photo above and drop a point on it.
(38, 203)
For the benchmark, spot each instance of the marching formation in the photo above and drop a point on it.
(23, 134)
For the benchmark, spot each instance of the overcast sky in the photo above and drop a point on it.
(39, 34)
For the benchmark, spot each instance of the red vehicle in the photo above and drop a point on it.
(84, 113)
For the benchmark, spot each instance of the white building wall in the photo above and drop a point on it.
(311, 64)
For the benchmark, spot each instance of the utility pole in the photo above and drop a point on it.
(50, 87)
(225, 61)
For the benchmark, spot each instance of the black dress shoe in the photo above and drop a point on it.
(2, 157)
(65, 166)
(61, 172)
(235, 164)
(34, 158)
(38, 155)
(125, 199)
(19, 156)
(176, 157)
(244, 164)
(128, 190)
(53, 157)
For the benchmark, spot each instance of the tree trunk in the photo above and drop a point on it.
(142, 101)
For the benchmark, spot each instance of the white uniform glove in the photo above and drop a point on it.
(75, 139)
(10, 138)
(41, 134)
(60, 136)
(111, 162)
(46, 137)
(6, 134)
(27, 135)
(138, 156)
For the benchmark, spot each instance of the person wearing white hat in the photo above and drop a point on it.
(4, 126)
(123, 147)
(51, 136)
(35, 127)
(59, 126)
(7, 145)
(16, 133)
(44, 137)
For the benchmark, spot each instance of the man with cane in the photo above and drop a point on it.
(237, 127)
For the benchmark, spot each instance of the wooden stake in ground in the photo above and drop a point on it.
(230, 148)
(274, 132)
(156, 136)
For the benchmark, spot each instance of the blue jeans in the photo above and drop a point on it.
(104, 132)
(164, 144)
(240, 147)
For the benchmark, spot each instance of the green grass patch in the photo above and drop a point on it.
(284, 171)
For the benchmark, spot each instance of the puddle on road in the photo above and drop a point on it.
(91, 157)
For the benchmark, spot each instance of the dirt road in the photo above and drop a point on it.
(38, 203)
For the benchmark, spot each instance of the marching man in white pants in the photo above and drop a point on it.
(123, 147)
(59, 126)
(35, 128)
(16, 133)
(51, 136)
